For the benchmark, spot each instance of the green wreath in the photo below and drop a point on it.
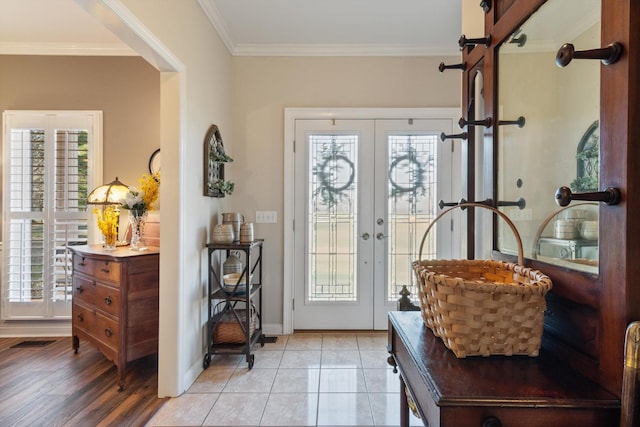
(330, 193)
(416, 170)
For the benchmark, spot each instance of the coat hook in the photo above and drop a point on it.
(608, 55)
(485, 5)
(486, 202)
(520, 122)
(464, 41)
(520, 41)
(486, 122)
(462, 66)
(444, 204)
(610, 196)
(520, 203)
(462, 135)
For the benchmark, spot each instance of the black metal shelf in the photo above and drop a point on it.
(228, 300)
(221, 294)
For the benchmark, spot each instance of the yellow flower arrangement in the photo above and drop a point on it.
(108, 224)
(141, 201)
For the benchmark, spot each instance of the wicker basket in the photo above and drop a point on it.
(231, 330)
(483, 307)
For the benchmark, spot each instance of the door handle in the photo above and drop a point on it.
(365, 236)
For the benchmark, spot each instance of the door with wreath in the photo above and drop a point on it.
(365, 192)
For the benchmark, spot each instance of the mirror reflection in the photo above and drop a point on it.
(558, 142)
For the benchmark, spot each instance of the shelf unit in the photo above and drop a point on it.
(236, 305)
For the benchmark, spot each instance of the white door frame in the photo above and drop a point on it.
(290, 116)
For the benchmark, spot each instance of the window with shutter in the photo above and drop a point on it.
(51, 161)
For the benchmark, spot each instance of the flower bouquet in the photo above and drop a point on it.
(108, 219)
(139, 202)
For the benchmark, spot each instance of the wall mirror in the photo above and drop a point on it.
(483, 218)
(548, 134)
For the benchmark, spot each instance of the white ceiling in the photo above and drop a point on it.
(253, 27)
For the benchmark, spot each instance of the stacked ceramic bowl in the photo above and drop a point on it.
(233, 279)
(223, 233)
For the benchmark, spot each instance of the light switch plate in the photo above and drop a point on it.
(266, 217)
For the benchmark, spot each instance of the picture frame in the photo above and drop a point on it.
(213, 168)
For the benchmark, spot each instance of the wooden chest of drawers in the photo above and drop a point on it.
(115, 302)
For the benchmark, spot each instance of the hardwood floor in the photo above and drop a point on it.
(52, 386)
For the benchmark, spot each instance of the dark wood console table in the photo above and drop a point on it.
(496, 391)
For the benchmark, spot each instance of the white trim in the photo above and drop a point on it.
(290, 116)
(66, 49)
(31, 329)
(343, 50)
(127, 27)
(218, 23)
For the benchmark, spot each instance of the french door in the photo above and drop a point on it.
(365, 191)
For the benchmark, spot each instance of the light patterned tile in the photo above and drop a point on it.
(296, 381)
(304, 342)
(339, 342)
(344, 409)
(250, 381)
(376, 359)
(290, 409)
(368, 342)
(340, 359)
(186, 410)
(237, 409)
(381, 381)
(211, 380)
(301, 359)
(342, 381)
(267, 359)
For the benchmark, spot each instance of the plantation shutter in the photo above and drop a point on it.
(50, 164)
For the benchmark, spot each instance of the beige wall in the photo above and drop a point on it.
(126, 89)
(264, 86)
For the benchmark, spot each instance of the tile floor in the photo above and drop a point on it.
(305, 379)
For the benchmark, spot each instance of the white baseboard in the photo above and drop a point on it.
(12, 329)
(272, 328)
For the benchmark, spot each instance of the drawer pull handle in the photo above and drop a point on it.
(105, 270)
(108, 332)
(81, 263)
(79, 289)
(108, 300)
(81, 317)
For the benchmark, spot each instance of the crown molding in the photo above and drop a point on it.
(216, 20)
(65, 49)
(343, 50)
